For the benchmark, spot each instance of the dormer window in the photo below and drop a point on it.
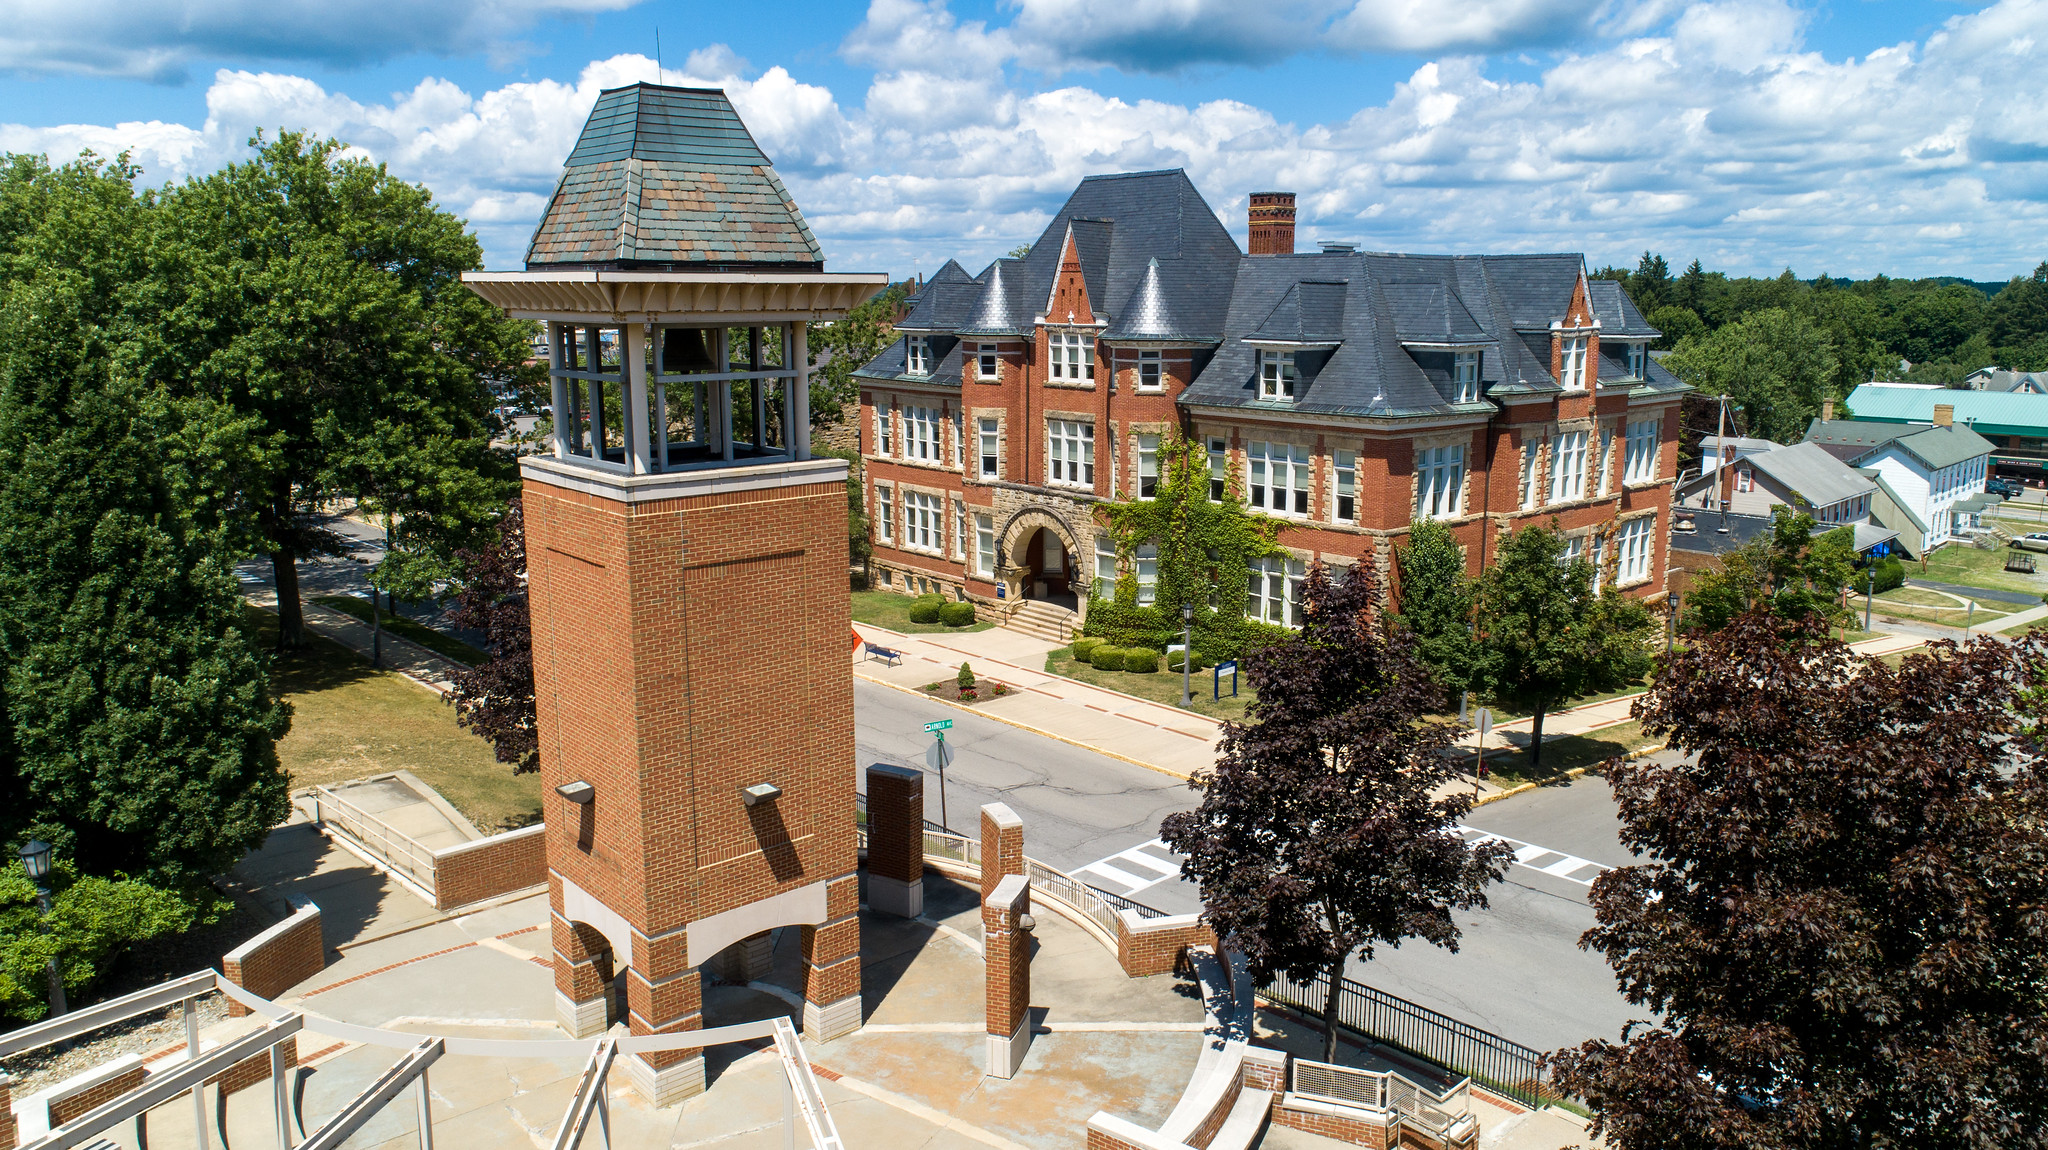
(1276, 374)
(1571, 371)
(1465, 376)
(1072, 356)
(1636, 354)
(917, 359)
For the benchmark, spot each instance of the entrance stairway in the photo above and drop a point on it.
(1042, 620)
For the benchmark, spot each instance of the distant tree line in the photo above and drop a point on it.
(1778, 346)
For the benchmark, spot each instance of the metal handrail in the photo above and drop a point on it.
(419, 862)
(1383, 1090)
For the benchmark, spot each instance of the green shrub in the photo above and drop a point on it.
(1173, 659)
(926, 608)
(1107, 658)
(957, 614)
(1890, 575)
(92, 921)
(1084, 645)
(965, 679)
(1143, 660)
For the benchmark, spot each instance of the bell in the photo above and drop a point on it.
(683, 351)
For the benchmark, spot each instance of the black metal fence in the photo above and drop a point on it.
(1499, 1064)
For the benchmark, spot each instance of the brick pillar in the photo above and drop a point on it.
(1006, 950)
(746, 960)
(583, 977)
(896, 840)
(664, 995)
(832, 1000)
(1002, 845)
(7, 1129)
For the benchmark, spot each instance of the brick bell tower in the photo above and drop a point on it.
(687, 579)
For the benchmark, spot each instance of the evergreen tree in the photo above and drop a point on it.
(1546, 638)
(1321, 834)
(140, 729)
(1435, 603)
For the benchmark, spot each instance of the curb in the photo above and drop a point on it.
(1574, 773)
(1024, 727)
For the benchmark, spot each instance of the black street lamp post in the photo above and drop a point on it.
(1187, 653)
(35, 859)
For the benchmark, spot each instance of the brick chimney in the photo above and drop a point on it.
(1272, 223)
(1944, 414)
(1827, 410)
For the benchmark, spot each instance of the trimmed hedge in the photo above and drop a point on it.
(1889, 575)
(1141, 660)
(957, 614)
(1107, 658)
(926, 608)
(1084, 645)
(1173, 659)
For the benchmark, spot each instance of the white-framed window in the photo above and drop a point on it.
(1150, 378)
(1637, 355)
(1148, 465)
(1568, 466)
(1465, 376)
(1632, 549)
(1070, 452)
(885, 514)
(1606, 462)
(1072, 356)
(959, 528)
(1148, 573)
(917, 355)
(1279, 477)
(885, 426)
(924, 522)
(1599, 561)
(1641, 463)
(1532, 450)
(1219, 468)
(1276, 591)
(1105, 567)
(985, 361)
(959, 435)
(1572, 364)
(990, 442)
(1439, 481)
(1276, 374)
(984, 545)
(920, 432)
(1743, 479)
(1345, 464)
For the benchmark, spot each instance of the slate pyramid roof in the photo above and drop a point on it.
(669, 179)
(999, 312)
(944, 303)
(1149, 314)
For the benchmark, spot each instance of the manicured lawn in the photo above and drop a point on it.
(1160, 687)
(349, 721)
(1935, 607)
(1562, 753)
(1973, 568)
(444, 645)
(888, 609)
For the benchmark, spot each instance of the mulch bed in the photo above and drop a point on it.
(982, 691)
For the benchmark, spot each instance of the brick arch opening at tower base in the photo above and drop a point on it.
(1039, 556)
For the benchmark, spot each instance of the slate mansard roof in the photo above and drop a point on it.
(667, 178)
(1373, 333)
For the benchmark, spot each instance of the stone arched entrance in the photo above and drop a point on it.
(1038, 557)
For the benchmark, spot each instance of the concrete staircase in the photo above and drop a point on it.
(1042, 620)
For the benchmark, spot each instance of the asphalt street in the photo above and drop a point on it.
(1518, 972)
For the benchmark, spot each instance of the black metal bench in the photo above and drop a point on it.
(877, 651)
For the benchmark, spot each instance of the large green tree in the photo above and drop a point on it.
(840, 347)
(1546, 637)
(139, 729)
(1791, 572)
(1434, 602)
(320, 300)
(1840, 936)
(1774, 366)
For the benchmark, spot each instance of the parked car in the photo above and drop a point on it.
(2005, 488)
(2032, 541)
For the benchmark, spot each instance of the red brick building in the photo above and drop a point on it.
(1350, 393)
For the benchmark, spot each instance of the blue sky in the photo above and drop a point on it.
(1851, 137)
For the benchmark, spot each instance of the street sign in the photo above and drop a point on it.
(1485, 723)
(939, 755)
(941, 725)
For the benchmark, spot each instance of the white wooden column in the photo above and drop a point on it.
(558, 388)
(633, 378)
(800, 357)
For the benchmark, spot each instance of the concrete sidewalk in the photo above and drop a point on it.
(1138, 731)
(427, 668)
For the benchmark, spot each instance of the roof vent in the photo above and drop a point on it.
(1339, 246)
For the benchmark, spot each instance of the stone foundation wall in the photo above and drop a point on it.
(486, 868)
(280, 958)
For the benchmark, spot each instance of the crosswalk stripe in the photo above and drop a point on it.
(1115, 874)
(1141, 858)
(1526, 854)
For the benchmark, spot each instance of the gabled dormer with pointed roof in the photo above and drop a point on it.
(669, 179)
(1068, 302)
